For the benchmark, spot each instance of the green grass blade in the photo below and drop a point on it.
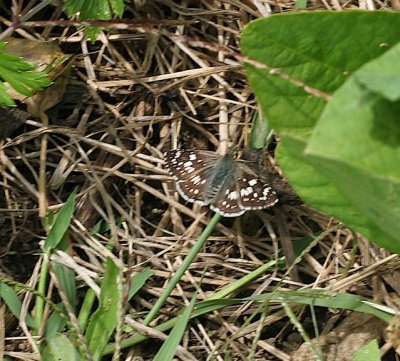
(182, 269)
(138, 281)
(168, 349)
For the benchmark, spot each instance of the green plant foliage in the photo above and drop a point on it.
(105, 318)
(55, 323)
(61, 224)
(9, 296)
(366, 150)
(382, 76)
(60, 348)
(340, 169)
(94, 10)
(138, 281)
(20, 75)
(369, 352)
(66, 279)
(261, 132)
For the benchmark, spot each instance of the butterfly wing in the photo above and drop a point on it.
(254, 193)
(190, 169)
(226, 202)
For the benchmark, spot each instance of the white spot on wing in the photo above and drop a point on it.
(253, 182)
(233, 195)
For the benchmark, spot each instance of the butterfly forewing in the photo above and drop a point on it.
(183, 164)
(190, 168)
(192, 189)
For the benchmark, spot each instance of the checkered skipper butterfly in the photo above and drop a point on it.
(229, 186)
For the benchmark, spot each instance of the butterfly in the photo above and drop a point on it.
(229, 186)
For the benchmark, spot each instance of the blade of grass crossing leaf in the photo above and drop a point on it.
(224, 292)
(66, 279)
(104, 320)
(138, 281)
(168, 349)
(369, 352)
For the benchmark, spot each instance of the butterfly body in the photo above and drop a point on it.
(229, 186)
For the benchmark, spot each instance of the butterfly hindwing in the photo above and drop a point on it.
(255, 193)
(226, 202)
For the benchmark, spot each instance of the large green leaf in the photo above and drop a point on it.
(361, 156)
(322, 51)
(322, 193)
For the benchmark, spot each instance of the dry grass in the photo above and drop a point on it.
(144, 92)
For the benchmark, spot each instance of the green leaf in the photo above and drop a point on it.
(168, 349)
(138, 281)
(361, 156)
(369, 352)
(55, 323)
(323, 49)
(5, 99)
(89, 9)
(10, 298)
(326, 49)
(19, 74)
(383, 75)
(301, 4)
(320, 192)
(117, 7)
(66, 280)
(60, 348)
(94, 10)
(261, 132)
(321, 298)
(105, 319)
(61, 224)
